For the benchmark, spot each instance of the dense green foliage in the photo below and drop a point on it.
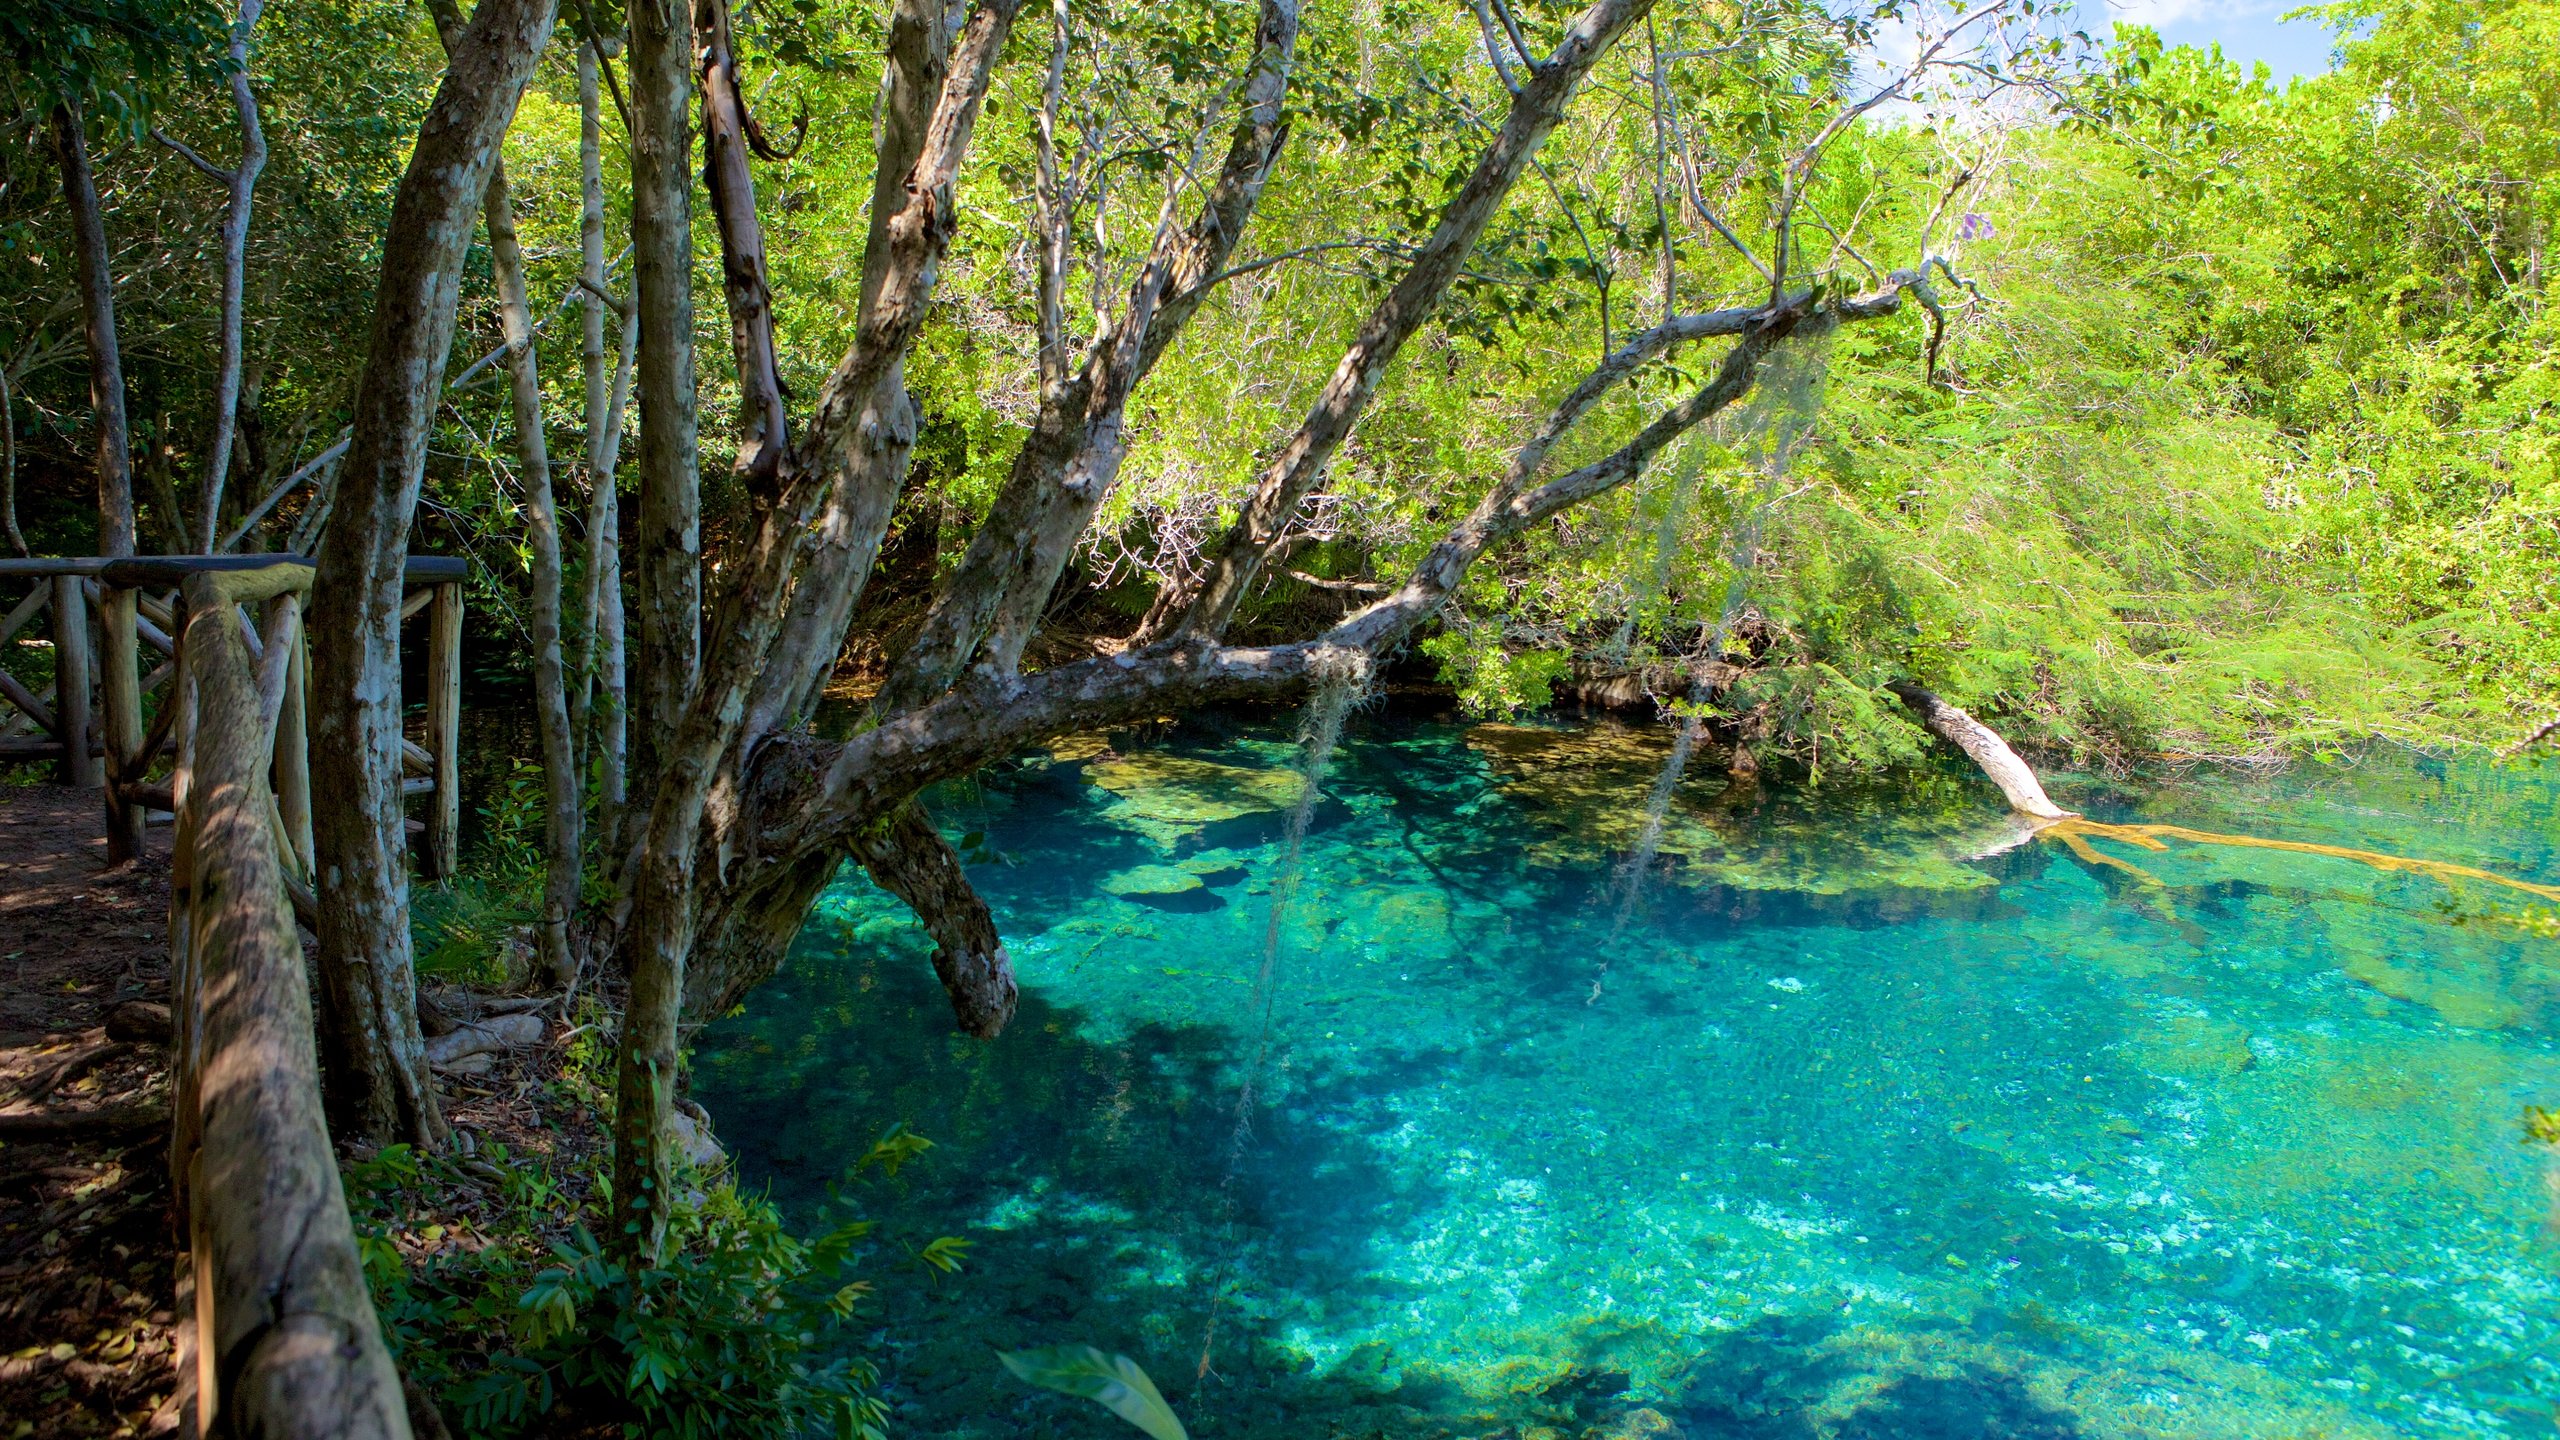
(2239, 440)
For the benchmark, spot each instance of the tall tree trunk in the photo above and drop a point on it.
(667, 547)
(600, 624)
(755, 597)
(369, 1033)
(120, 718)
(561, 847)
(608, 635)
(98, 322)
(9, 464)
(243, 180)
(668, 592)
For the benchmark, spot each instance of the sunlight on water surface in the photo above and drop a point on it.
(1865, 1126)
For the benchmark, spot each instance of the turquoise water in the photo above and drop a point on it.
(1861, 1119)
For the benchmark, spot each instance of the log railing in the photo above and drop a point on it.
(282, 1338)
(112, 618)
(285, 1339)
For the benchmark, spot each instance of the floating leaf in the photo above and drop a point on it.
(1112, 1381)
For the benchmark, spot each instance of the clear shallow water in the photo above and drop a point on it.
(1836, 1133)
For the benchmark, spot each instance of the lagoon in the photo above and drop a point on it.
(1864, 1115)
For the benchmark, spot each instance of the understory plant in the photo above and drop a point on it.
(511, 1313)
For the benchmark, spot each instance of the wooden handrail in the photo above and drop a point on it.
(287, 1342)
(140, 570)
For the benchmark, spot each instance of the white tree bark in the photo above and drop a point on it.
(563, 792)
(243, 182)
(1985, 748)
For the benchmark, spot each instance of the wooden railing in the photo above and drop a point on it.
(284, 1337)
(285, 1340)
(90, 720)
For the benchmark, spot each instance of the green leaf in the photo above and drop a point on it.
(1112, 1381)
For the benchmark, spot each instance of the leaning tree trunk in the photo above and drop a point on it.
(98, 323)
(1293, 473)
(369, 1034)
(561, 844)
(756, 593)
(122, 717)
(1985, 748)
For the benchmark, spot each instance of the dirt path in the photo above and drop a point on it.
(86, 1252)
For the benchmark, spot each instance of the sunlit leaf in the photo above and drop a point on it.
(1112, 1381)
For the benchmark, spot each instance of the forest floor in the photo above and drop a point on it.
(89, 1248)
(87, 1258)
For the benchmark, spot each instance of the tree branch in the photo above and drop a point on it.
(982, 716)
(186, 152)
(1300, 465)
(726, 142)
(1071, 460)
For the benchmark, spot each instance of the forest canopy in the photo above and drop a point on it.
(2236, 438)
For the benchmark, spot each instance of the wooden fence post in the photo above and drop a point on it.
(293, 758)
(71, 682)
(444, 729)
(120, 694)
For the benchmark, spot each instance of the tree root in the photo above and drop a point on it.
(72, 1068)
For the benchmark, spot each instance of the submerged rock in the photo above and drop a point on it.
(2196, 1047)
(1151, 880)
(2468, 988)
(1168, 798)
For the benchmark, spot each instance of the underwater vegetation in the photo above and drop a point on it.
(1889, 1122)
